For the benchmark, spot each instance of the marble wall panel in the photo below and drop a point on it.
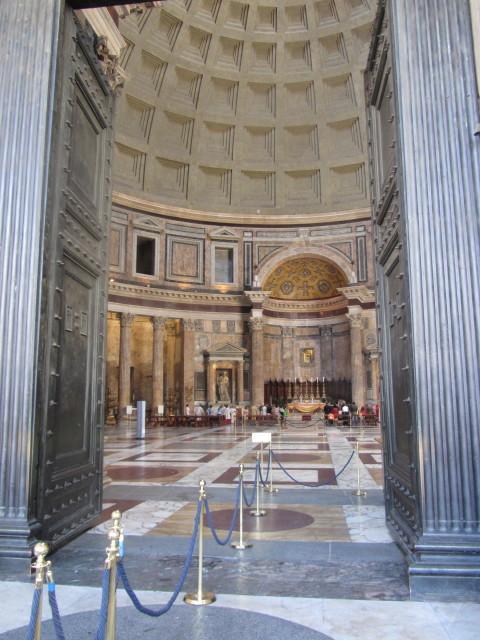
(184, 259)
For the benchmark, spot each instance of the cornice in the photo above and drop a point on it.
(237, 219)
(150, 293)
(358, 292)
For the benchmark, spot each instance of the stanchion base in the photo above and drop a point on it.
(271, 489)
(192, 598)
(245, 545)
(359, 493)
(257, 514)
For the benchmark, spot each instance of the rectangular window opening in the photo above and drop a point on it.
(145, 256)
(223, 264)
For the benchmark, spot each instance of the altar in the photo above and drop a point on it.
(306, 406)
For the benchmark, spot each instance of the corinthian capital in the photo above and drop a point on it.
(158, 323)
(256, 324)
(188, 324)
(126, 319)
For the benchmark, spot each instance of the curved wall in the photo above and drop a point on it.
(203, 315)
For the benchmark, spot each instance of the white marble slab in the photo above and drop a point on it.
(366, 523)
(140, 519)
(339, 619)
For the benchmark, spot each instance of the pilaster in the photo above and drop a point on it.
(257, 361)
(171, 390)
(29, 51)
(240, 388)
(125, 392)
(428, 243)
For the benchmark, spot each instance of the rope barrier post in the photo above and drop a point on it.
(258, 512)
(41, 565)
(271, 489)
(360, 493)
(113, 555)
(241, 544)
(200, 597)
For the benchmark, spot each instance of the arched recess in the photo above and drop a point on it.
(326, 253)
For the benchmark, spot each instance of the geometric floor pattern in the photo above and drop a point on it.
(322, 565)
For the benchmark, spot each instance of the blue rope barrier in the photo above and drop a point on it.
(57, 621)
(102, 623)
(264, 481)
(312, 484)
(33, 614)
(186, 566)
(248, 502)
(208, 513)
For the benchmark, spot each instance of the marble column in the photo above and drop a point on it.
(240, 390)
(375, 364)
(188, 363)
(257, 361)
(171, 332)
(158, 362)
(125, 393)
(356, 345)
(211, 389)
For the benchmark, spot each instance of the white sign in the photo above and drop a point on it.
(160, 409)
(262, 436)
(129, 409)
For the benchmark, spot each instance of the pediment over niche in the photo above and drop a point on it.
(146, 222)
(226, 351)
(223, 233)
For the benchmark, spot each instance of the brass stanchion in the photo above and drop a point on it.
(257, 512)
(113, 554)
(200, 597)
(241, 544)
(358, 492)
(41, 566)
(271, 489)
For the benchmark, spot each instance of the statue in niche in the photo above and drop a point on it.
(223, 384)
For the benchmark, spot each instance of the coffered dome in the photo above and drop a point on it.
(245, 106)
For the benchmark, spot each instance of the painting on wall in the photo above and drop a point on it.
(307, 356)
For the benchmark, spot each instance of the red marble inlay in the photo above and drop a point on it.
(325, 476)
(274, 520)
(296, 457)
(140, 472)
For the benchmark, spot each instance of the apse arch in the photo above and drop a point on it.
(324, 253)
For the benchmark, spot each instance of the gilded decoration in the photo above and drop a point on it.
(305, 278)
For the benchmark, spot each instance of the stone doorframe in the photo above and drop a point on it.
(226, 356)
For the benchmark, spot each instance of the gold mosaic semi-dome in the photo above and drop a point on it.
(306, 278)
(245, 106)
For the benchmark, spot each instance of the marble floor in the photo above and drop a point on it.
(322, 565)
